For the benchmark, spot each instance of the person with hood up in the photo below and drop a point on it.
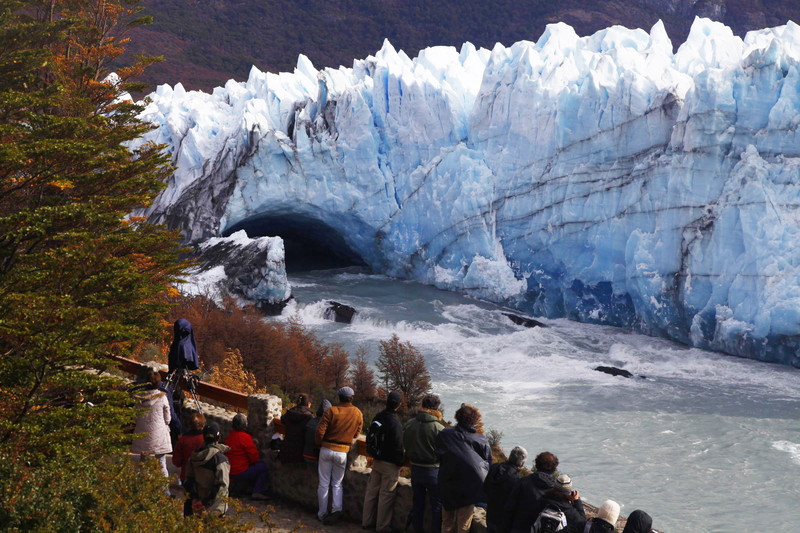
(294, 422)
(310, 447)
(336, 432)
(419, 440)
(152, 424)
(562, 498)
(388, 457)
(245, 461)
(499, 483)
(183, 350)
(606, 518)
(208, 475)
(638, 522)
(519, 516)
(188, 443)
(464, 455)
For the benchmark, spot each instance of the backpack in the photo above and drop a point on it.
(549, 520)
(375, 438)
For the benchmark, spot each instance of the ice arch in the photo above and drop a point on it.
(309, 242)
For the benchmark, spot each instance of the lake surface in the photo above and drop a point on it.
(705, 443)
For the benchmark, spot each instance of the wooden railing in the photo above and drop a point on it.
(202, 388)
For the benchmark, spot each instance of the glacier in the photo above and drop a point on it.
(604, 178)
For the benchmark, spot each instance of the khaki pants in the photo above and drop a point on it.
(458, 520)
(379, 497)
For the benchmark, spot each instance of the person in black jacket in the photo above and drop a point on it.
(499, 483)
(519, 508)
(388, 458)
(638, 522)
(294, 423)
(464, 459)
(566, 500)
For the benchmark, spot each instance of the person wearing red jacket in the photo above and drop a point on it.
(243, 455)
(188, 443)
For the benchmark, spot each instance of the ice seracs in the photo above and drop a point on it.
(604, 178)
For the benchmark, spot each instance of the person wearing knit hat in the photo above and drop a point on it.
(606, 518)
(499, 483)
(563, 497)
(336, 432)
(385, 445)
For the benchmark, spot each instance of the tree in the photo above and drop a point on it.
(336, 366)
(402, 367)
(231, 374)
(79, 277)
(362, 377)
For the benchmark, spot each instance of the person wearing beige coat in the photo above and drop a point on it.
(152, 424)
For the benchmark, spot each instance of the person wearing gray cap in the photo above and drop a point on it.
(339, 427)
(385, 445)
(499, 482)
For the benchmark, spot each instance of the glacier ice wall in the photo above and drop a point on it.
(602, 178)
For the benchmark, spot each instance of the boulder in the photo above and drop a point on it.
(339, 312)
(524, 321)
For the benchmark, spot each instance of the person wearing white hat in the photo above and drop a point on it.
(336, 432)
(606, 518)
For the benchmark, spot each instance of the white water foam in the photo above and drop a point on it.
(792, 448)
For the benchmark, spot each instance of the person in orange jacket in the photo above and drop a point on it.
(243, 455)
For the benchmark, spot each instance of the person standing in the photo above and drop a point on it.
(294, 424)
(152, 424)
(519, 513)
(208, 475)
(246, 464)
(385, 445)
(310, 447)
(419, 440)
(464, 455)
(338, 428)
(499, 483)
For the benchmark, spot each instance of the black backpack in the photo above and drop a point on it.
(550, 520)
(375, 437)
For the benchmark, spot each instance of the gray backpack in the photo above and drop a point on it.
(550, 520)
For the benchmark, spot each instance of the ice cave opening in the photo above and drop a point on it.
(309, 243)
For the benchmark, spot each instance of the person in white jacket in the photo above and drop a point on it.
(152, 425)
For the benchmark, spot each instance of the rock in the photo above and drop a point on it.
(339, 312)
(614, 371)
(254, 268)
(524, 321)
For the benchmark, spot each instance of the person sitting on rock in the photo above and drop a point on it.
(606, 518)
(563, 498)
(638, 522)
(208, 475)
(519, 515)
(246, 465)
(294, 423)
(188, 443)
(499, 483)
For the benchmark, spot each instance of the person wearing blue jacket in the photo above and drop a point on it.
(464, 458)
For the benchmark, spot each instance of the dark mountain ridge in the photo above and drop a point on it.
(205, 43)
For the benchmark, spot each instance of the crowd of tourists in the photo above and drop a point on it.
(452, 471)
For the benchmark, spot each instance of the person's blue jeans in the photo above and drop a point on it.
(256, 473)
(425, 483)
